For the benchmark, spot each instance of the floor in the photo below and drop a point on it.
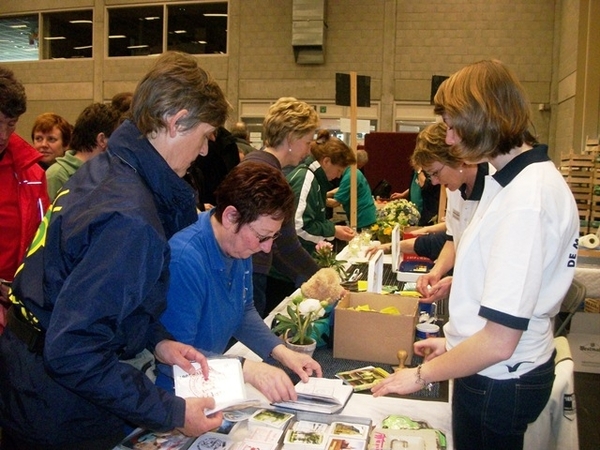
(587, 401)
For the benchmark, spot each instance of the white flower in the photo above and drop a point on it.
(311, 306)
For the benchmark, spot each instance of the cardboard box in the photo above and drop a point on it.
(372, 336)
(584, 341)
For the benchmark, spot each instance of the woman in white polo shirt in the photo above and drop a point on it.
(514, 263)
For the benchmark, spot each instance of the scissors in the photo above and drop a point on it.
(354, 276)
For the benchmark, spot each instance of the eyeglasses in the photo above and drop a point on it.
(262, 238)
(435, 173)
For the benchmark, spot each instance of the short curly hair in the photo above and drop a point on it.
(13, 100)
(288, 118)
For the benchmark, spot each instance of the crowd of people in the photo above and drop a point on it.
(148, 230)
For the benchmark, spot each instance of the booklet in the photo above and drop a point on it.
(322, 395)
(225, 384)
(363, 378)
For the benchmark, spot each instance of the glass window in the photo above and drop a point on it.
(199, 28)
(67, 35)
(135, 31)
(19, 38)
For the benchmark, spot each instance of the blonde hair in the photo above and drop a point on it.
(288, 118)
(431, 147)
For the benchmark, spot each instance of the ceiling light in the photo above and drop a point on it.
(54, 38)
(215, 14)
(80, 21)
(117, 36)
(180, 31)
(83, 47)
(152, 18)
(137, 46)
(18, 26)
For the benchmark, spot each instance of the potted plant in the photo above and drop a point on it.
(326, 257)
(297, 326)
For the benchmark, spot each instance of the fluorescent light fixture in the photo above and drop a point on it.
(214, 15)
(18, 26)
(180, 31)
(137, 46)
(198, 42)
(80, 21)
(152, 18)
(83, 47)
(117, 36)
(54, 38)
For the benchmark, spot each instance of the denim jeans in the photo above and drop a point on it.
(493, 414)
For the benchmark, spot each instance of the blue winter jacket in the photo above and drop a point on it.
(96, 281)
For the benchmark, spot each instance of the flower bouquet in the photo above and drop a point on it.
(402, 212)
(326, 257)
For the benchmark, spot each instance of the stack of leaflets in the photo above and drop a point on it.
(310, 435)
(322, 395)
(363, 378)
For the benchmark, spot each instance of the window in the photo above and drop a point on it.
(63, 35)
(19, 38)
(135, 31)
(67, 35)
(196, 28)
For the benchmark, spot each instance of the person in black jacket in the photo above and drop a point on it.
(93, 285)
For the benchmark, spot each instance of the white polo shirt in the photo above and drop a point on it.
(516, 260)
(459, 208)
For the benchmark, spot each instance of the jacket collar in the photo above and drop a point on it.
(172, 194)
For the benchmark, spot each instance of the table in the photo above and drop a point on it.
(437, 413)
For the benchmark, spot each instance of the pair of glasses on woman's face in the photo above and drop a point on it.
(435, 173)
(261, 237)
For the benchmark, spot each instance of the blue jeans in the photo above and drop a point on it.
(493, 414)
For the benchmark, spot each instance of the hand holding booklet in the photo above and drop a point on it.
(322, 395)
(225, 384)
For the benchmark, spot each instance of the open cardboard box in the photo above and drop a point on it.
(370, 335)
(584, 341)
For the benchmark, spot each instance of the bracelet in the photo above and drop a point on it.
(424, 384)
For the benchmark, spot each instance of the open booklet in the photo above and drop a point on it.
(322, 395)
(225, 384)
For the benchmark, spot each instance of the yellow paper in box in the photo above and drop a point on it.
(386, 310)
(374, 337)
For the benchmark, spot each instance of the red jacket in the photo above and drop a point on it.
(31, 195)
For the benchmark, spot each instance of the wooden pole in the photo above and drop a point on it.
(353, 145)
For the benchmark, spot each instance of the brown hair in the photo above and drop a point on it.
(46, 122)
(333, 148)
(255, 189)
(487, 108)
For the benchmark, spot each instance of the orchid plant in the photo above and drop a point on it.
(298, 325)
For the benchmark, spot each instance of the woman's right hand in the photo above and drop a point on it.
(344, 233)
(387, 248)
